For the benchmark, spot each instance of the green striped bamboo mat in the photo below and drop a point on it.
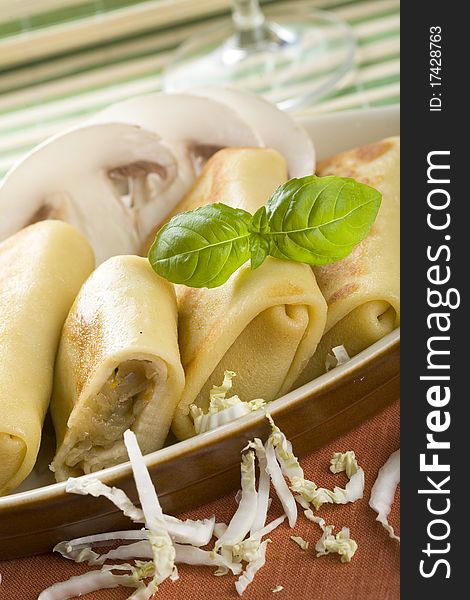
(61, 60)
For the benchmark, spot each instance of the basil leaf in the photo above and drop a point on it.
(313, 220)
(319, 220)
(259, 221)
(202, 247)
(259, 244)
(259, 250)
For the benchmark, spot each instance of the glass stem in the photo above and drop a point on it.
(249, 22)
(247, 14)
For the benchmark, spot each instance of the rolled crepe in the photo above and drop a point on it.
(363, 289)
(263, 324)
(118, 367)
(41, 270)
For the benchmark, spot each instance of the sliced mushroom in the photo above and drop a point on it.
(275, 127)
(100, 178)
(226, 117)
(193, 127)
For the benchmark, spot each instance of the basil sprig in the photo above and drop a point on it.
(312, 220)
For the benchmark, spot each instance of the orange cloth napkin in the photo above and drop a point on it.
(373, 573)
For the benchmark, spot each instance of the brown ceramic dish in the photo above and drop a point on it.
(202, 468)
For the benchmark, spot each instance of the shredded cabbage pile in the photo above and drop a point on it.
(241, 545)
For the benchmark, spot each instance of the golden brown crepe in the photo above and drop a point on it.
(41, 270)
(363, 290)
(263, 324)
(118, 367)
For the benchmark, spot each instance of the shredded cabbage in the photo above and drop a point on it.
(79, 549)
(86, 583)
(344, 462)
(383, 491)
(244, 516)
(271, 526)
(166, 540)
(353, 491)
(247, 549)
(161, 545)
(196, 533)
(307, 491)
(227, 554)
(187, 554)
(263, 486)
(278, 481)
(278, 588)
(340, 544)
(303, 503)
(222, 410)
(218, 392)
(159, 538)
(311, 517)
(140, 549)
(220, 529)
(253, 567)
(196, 556)
(289, 463)
(250, 516)
(340, 357)
(88, 485)
(300, 541)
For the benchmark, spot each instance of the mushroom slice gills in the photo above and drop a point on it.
(104, 179)
(127, 400)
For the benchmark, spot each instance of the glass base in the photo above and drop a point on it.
(291, 59)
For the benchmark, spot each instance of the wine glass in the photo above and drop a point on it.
(293, 57)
